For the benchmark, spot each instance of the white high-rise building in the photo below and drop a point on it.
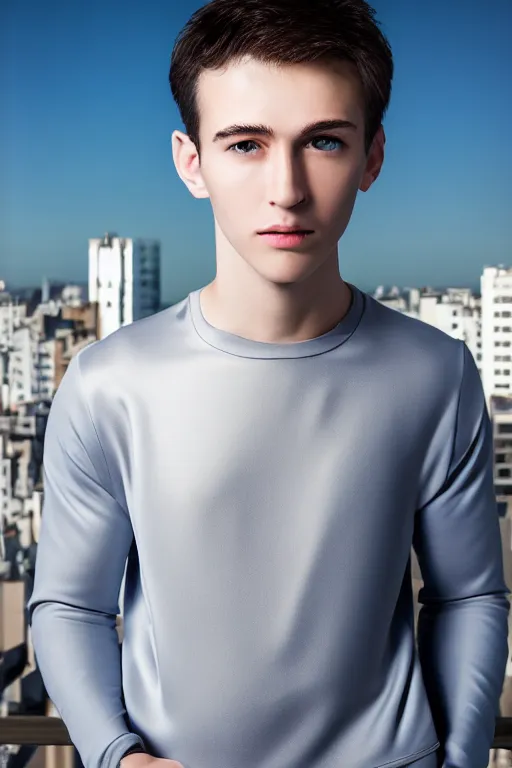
(124, 278)
(496, 288)
(501, 415)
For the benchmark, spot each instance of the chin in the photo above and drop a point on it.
(285, 276)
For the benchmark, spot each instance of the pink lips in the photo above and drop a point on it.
(284, 239)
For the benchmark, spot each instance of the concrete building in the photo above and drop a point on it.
(501, 417)
(35, 350)
(12, 315)
(124, 278)
(496, 287)
(23, 359)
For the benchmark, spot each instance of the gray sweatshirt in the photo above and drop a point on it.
(264, 499)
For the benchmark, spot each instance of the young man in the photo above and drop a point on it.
(266, 452)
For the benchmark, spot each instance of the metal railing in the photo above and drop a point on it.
(51, 731)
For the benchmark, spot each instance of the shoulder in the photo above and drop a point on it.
(405, 335)
(132, 348)
(415, 356)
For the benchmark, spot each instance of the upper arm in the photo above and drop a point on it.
(85, 534)
(456, 534)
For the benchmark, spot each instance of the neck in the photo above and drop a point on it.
(265, 311)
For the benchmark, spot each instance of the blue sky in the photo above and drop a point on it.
(86, 127)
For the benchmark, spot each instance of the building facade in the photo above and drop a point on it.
(124, 279)
(496, 285)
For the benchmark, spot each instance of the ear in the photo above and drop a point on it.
(374, 160)
(186, 160)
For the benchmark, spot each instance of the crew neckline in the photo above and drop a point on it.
(243, 347)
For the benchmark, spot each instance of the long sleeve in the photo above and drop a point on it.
(83, 544)
(463, 622)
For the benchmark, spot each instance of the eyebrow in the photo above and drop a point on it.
(265, 130)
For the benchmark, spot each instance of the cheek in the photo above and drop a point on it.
(335, 178)
(233, 211)
(234, 194)
(336, 199)
(232, 206)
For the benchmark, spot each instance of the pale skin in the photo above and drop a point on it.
(261, 292)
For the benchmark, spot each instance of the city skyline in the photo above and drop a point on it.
(86, 146)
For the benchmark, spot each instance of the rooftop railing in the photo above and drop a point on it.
(51, 731)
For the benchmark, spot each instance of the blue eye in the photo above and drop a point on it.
(329, 139)
(239, 144)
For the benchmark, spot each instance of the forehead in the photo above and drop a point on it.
(286, 96)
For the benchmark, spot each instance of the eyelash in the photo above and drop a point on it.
(317, 138)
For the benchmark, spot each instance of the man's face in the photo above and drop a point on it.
(255, 181)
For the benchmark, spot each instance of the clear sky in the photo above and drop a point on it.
(85, 144)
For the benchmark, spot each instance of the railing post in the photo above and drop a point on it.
(59, 757)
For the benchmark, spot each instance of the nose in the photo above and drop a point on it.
(287, 181)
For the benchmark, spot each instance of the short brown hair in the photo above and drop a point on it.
(282, 32)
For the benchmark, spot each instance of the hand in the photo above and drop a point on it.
(141, 760)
